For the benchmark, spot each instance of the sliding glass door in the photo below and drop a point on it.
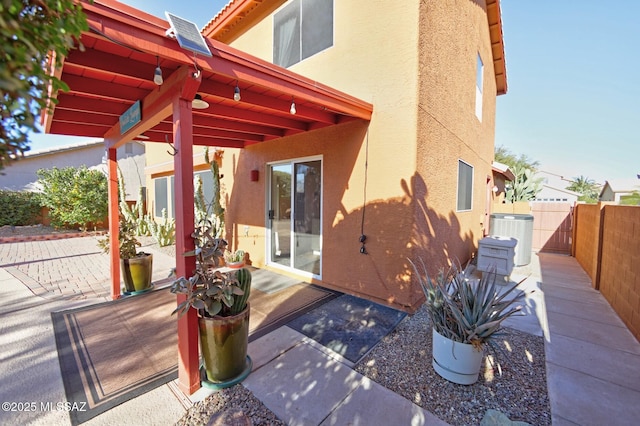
(294, 215)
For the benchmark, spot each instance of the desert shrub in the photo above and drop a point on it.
(19, 208)
(75, 196)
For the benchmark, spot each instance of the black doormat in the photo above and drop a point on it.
(348, 325)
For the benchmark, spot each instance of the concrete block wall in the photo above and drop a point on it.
(607, 246)
(586, 235)
(619, 280)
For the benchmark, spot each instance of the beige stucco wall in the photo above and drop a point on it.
(448, 130)
(403, 165)
(373, 57)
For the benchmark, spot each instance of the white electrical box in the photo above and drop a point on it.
(498, 251)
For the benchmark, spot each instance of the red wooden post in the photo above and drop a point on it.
(114, 223)
(188, 356)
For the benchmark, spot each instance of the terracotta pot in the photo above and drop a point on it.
(223, 342)
(457, 362)
(136, 273)
(235, 265)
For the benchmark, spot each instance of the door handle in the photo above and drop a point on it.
(272, 214)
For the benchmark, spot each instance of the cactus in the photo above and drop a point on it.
(199, 201)
(524, 187)
(165, 232)
(217, 209)
(133, 215)
(243, 276)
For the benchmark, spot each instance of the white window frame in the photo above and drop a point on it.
(299, 31)
(170, 199)
(268, 239)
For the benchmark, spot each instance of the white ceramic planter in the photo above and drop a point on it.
(457, 362)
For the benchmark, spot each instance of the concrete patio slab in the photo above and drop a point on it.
(30, 375)
(593, 331)
(147, 409)
(303, 386)
(369, 404)
(268, 347)
(586, 400)
(602, 362)
(583, 294)
(591, 310)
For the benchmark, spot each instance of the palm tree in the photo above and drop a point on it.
(587, 188)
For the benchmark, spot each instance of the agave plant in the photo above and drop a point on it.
(466, 309)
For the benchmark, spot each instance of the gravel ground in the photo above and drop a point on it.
(230, 401)
(402, 363)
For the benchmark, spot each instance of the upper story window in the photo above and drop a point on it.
(302, 29)
(479, 75)
(465, 186)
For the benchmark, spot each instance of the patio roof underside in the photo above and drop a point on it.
(115, 68)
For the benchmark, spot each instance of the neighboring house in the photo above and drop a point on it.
(501, 175)
(22, 175)
(417, 180)
(554, 188)
(552, 194)
(614, 189)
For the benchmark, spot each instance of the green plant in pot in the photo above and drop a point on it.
(220, 295)
(235, 259)
(466, 312)
(136, 266)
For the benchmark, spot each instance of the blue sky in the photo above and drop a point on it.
(573, 73)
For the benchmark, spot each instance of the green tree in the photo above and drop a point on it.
(587, 188)
(505, 156)
(34, 33)
(632, 199)
(74, 196)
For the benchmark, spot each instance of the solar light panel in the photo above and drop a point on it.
(188, 35)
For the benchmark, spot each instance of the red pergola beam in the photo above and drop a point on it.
(197, 140)
(104, 62)
(219, 123)
(117, 26)
(215, 133)
(156, 106)
(257, 117)
(74, 102)
(102, 89)
(62, 128)
(224, 91)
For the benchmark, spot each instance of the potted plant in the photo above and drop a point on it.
(235, 259)
(466, 313)
(220, 295)
(136, 266)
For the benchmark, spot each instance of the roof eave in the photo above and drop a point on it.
(494, 17)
